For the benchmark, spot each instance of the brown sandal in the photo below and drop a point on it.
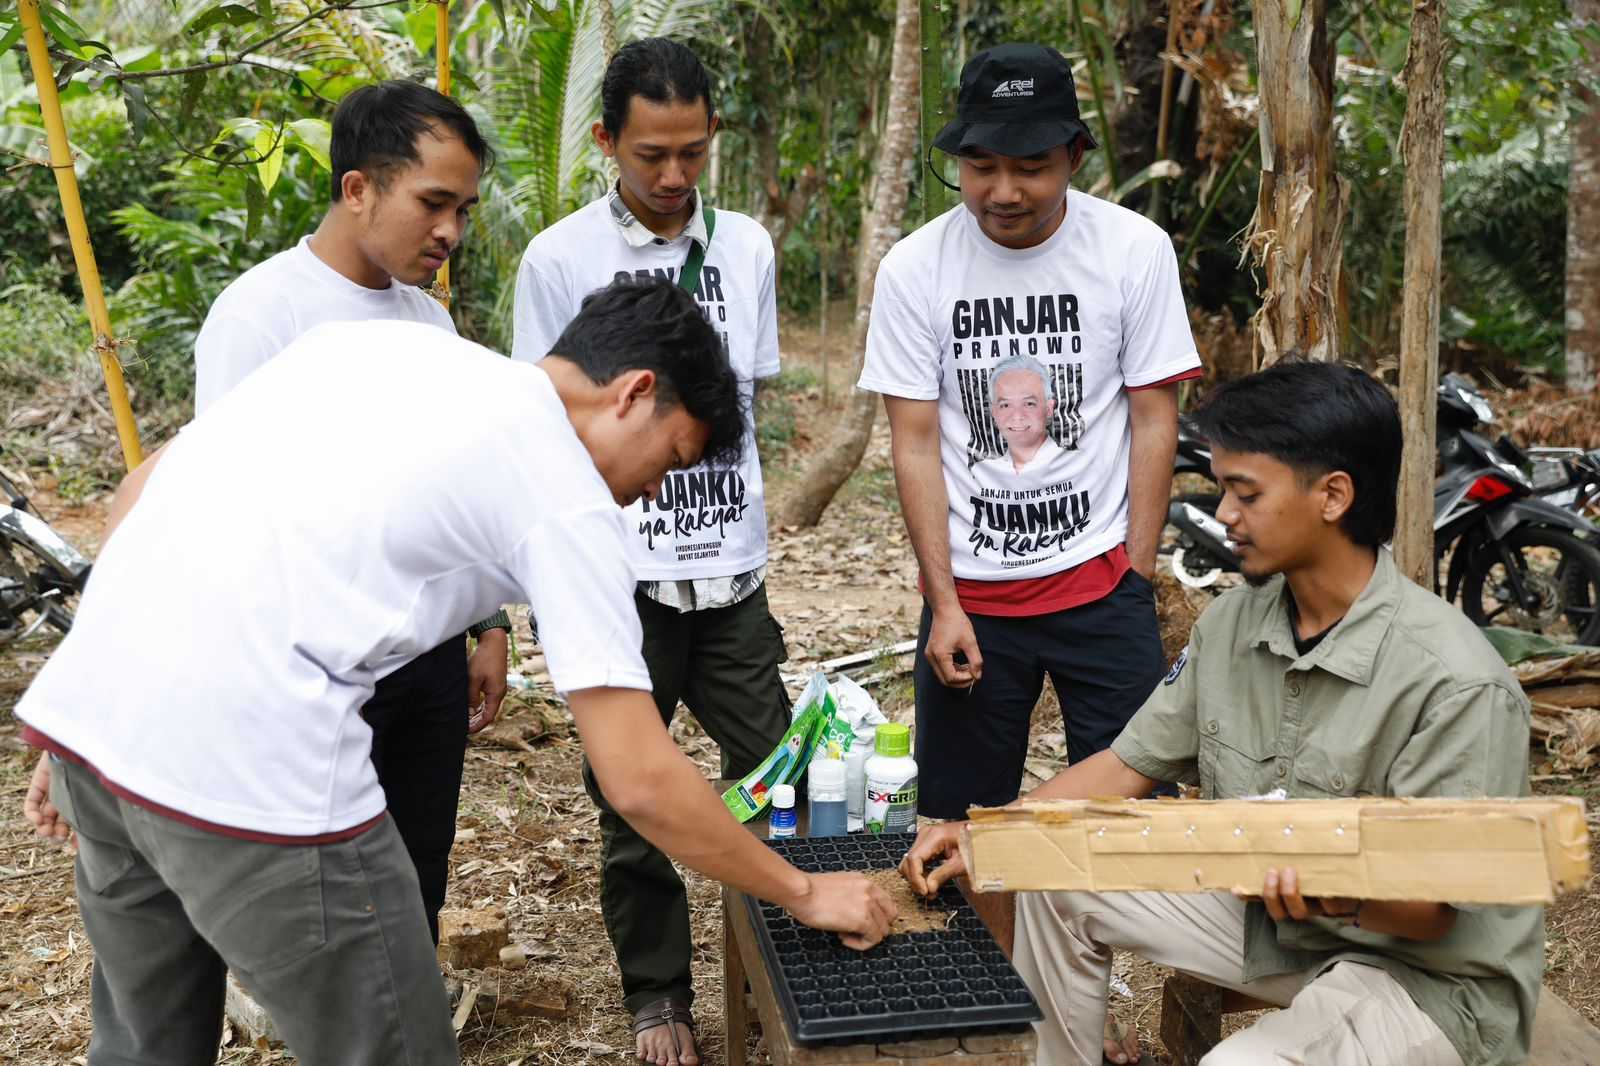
(671, 1013)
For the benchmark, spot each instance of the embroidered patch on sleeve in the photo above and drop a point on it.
(1177, 667)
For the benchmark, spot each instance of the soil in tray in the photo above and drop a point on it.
(913, 914)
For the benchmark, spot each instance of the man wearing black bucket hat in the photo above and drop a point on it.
(1028, 568)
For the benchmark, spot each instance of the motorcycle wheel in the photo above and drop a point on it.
(1559, 570)
(1194, 568)
(34, 592)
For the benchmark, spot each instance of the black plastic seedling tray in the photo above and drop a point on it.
(954, 978)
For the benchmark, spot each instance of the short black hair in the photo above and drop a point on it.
(657, 68)
(375, 129)
(652, 324)
(1316, 418)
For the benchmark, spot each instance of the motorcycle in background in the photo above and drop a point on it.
(1516, 558)
(1200, 554)
(41, 575)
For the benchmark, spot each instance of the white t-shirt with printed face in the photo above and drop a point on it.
(293, 545)
(1096, 308)
(275, 301)
(708, 521)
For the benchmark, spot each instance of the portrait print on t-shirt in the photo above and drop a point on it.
(1021, 413)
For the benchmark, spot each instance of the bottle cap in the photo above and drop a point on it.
(783, 796)
(826, 775)
(894, 739)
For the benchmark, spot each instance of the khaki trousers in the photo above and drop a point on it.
(1352, 1015)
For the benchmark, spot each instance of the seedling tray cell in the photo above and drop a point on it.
(955, 978)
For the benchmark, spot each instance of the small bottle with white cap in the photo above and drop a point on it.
(783, 823)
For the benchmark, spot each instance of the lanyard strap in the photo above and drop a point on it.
(689, 276)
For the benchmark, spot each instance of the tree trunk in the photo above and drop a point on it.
(778, 209)
(1583, 217)
(1295, 235)
(880, 228)
(1422, 148)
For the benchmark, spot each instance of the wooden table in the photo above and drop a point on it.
(745, 974)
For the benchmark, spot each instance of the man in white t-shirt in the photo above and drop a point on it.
(406, 162)
(218, 777)
(700, 547)
(1031, 565)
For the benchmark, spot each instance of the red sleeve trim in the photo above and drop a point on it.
(1187, 375)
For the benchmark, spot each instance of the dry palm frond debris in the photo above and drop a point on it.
(1565, 694)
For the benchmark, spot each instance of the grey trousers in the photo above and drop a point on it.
(1352, 1015)
(329, 938)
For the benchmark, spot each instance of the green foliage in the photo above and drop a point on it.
(44, 333)
(1504, 212)
(205, 238)
(775, 410)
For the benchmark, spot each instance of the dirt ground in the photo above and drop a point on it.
(529, 842)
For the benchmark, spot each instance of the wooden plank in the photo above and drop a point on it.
(780, 1045)
(1021, 1040)
(1511, 851)
(917, 1050)
(1562, 1036)
(736, 1019)
(1191, 1018)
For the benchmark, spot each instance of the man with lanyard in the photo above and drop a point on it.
(1329, 675)
(219, 779)
(406, 162)
(699, 547)
(1035, 317)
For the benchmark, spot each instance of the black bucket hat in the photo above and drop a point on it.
(1015, 100)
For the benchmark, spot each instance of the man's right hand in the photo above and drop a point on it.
(37, 808)
(949, 635)
(847, 904)
(934, 842)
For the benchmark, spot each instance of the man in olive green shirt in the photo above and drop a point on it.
(1329, 675)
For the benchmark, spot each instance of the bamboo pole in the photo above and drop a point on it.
(1422, 147)
(441, 46)
(94, 297)
(933, 114)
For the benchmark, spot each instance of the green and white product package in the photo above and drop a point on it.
(815, 724)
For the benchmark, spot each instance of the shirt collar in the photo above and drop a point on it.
(638, 235)
(1350, 650)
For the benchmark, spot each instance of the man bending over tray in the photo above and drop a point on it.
(1329, 675)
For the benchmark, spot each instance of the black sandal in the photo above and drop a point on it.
(666, 1011)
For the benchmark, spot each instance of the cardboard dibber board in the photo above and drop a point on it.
(1452, 851)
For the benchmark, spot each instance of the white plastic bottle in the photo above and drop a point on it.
(891, 776)
(825, 789)
(855, 768)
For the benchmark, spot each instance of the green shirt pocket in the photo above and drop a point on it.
(1235, 759)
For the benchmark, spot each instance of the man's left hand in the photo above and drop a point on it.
(486, 678)
(1281, 895)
